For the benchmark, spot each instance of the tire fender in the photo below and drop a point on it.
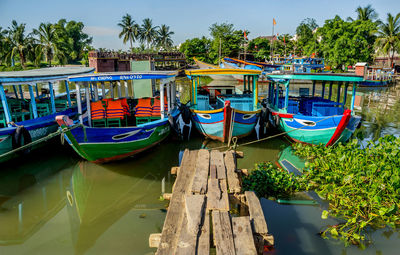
(21, 137)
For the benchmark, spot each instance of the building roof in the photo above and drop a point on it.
(42, 74)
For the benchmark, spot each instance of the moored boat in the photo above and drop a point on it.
(374, 76)
(25, 119)
(204, 65)
(115, 128)
(222, 116)
(309, 118)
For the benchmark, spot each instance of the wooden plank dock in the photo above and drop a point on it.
(209, 211)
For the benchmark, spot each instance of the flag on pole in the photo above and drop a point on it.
(274, 21)
(245, 35)
(284, 40)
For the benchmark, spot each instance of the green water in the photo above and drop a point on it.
(52, 202)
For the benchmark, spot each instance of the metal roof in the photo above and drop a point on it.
(222, 71)
(317, 77)
(121, 76)
(42, 74)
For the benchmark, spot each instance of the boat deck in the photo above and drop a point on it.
(207, 203)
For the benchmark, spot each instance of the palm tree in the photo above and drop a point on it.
(130, 30)
(366, 13)
(389, 36)
(48, 42)
(148, 32)
(18, 42)
(164, 37)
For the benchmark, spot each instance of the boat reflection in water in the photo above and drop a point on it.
(110, 212)
(31, 194)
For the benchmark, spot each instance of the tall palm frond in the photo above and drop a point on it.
(366, 13)
(18, 42)
(164, 37)
(130, 30)
(148, 32)
(388, 36)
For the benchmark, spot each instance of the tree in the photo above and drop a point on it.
(148, 32)
(130, 30)
(389, 36)
(306, 36)
(48, 42)
(366, 13)
(196, 47)
(164, 37)
(228, 38)
(346, 43)
(260, 47)
(19, 43)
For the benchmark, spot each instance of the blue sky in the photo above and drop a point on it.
(187, 19)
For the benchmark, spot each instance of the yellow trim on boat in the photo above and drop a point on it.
(222, 71)
(246, 112)
(207, 111)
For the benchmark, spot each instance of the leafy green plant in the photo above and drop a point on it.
(267, 180)
(362, 185)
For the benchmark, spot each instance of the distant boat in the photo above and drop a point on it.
(116, 128)
(204, 65)
(308, 118)
(218, 112)
(23, 120)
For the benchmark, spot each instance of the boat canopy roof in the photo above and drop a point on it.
(316, 77)
(123, 76)
(221, 71)
(42, 75)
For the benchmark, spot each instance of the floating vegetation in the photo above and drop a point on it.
(362, 185)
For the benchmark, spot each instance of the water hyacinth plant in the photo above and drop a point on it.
(362, 185)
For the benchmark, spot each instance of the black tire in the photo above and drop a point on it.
(21, 137)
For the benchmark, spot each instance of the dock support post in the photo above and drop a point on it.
(277, 95)
(21, 92)
(313, 88)
(112, 89)
(353, 95)
(33, 102)
(244, 83)
(53, 102)
(338, 92)
(346, 86)
(5, 105)
(87, 93)
(169, 97)
(330, 90)
(79, 101)
(323, 89)
(255, 92)
(68, 93)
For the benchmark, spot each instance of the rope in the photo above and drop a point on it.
(40, 140)
(269, 137)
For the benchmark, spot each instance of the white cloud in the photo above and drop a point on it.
(100, 31)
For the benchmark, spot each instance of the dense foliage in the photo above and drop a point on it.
(63, 41)
(266, 180)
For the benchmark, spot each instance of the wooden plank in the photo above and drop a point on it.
(223, 237)
(243, 236)
(154, 240)
(257, 218)
(213, 171)
(194, 212)
(175, 170)
(203, 247)
(217, 159)
(233, 178)
(201, 173)
(187, 240)
(175, 214)
(167, 196)
(217, 196)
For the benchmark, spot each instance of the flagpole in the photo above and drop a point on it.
(272, 38)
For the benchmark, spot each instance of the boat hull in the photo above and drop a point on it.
(374, 83)
(324, 130)
(101, 145)
(223, 123)
(37, 128)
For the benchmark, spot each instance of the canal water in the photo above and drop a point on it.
(53, 202)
